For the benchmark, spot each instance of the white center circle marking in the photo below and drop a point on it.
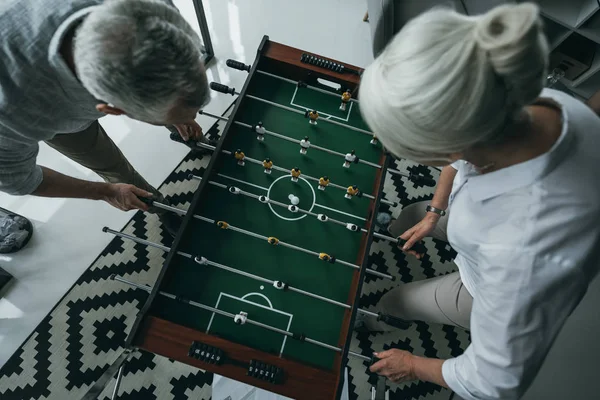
(286, 218)
(262, 287)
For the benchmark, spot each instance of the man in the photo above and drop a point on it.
(66, 63)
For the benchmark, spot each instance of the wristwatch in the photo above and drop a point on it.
(435, 210)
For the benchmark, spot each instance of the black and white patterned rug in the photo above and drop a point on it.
(83, 334)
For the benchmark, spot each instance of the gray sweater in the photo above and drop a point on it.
(39, 95)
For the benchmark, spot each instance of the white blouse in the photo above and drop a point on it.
(528, 243)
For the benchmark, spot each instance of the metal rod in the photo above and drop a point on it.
(307, 85)
(115, 392)
(287, 171)
(230, 315)
(312, 146)
(294, 247)
(330, 121)
(279, 204)
(231, 269)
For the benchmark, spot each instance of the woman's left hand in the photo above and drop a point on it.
(396, 365)
(189, 131)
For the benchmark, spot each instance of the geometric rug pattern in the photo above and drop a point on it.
(83, 335)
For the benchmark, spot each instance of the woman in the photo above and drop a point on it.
(519, 181)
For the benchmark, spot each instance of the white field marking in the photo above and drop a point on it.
(244, 182)
(329, 116)
(243, 299)
(340, 212)
(303, 215)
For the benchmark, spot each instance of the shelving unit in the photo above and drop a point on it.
(564, 18)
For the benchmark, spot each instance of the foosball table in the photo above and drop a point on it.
(263, 280)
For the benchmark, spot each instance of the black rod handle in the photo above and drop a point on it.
(422, 180)
(419, 247)
(394, 321)
(238, 65)
(146, 200)
(219, 87)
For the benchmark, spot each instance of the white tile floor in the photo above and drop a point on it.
(68, 234)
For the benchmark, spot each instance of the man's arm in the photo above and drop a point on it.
(594, 102)
(121, 196)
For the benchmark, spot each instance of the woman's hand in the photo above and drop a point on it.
(396, 365)
(189, 131)
(125, 197)
(418, 232)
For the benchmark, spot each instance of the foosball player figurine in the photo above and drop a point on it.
(346, 96)
(351, 191)
(374, 140)
(304, 145)
(313, 116)
(323, 182)
(260, 131)
(326, 257)
(349, 159)
(295, 174)
(268, 164)
(240, 156)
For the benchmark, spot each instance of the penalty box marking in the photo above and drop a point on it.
(321, 112)
(243, 300)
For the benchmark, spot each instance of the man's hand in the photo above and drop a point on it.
(396, 365)
(125, 197)
(190, 130)
(418, 232)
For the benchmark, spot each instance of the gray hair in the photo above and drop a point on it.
(448, 82)
(141, 56)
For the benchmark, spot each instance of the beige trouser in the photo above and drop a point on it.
(93, 149)
(442, 300)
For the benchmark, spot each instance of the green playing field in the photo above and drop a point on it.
(231, 292)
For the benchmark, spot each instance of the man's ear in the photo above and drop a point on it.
(106, 109)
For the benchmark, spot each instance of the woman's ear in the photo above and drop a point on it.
(110, 110)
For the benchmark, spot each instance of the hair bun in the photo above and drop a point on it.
(512, 37)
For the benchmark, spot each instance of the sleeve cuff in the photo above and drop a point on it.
(33, 181)
(455, 164)
(451, 378)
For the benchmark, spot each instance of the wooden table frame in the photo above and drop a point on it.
(166, 338)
